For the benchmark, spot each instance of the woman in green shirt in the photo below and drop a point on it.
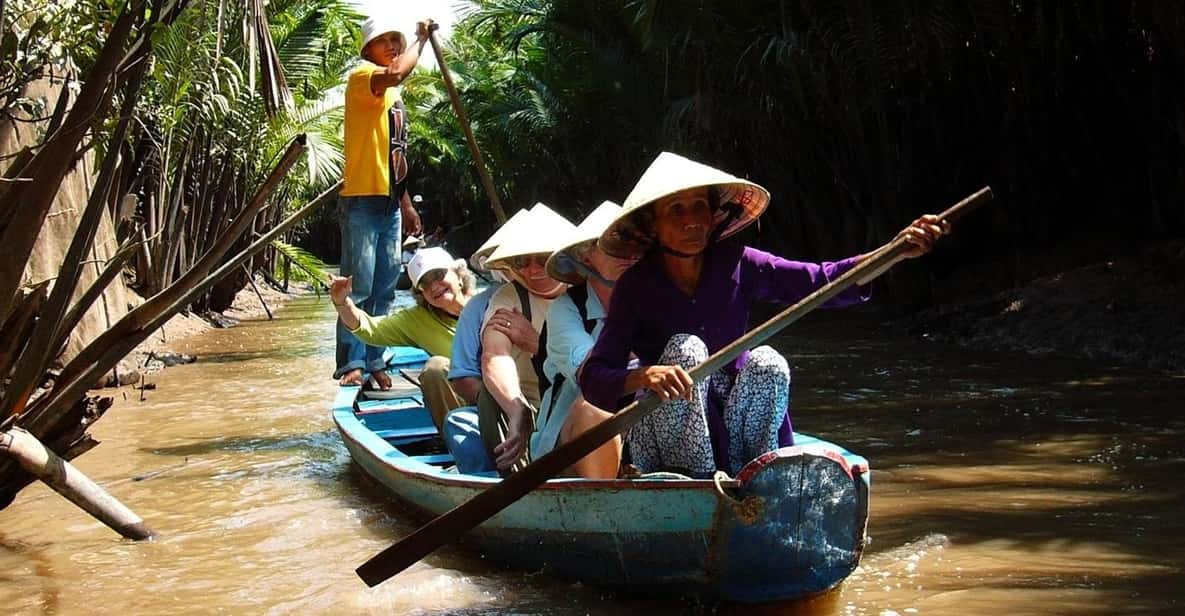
(441, 285)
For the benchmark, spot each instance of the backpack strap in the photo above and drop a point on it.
(579, 295)
(524, 299)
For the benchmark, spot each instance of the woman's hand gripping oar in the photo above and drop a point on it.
(478, 509)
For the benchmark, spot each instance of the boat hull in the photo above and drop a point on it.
(792, 524)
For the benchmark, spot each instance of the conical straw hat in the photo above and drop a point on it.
(742, 202)
(540, 233)
(560, 265)
(479, 256)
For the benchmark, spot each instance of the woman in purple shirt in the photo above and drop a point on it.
(688, 297)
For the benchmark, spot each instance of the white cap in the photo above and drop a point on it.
(378, 25)
(426, 260)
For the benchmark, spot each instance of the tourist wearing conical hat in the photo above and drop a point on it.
(462, 370)
(510, 397)
(374, 207)
(690, 296)
(574, 320)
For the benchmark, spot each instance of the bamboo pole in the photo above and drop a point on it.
(67, 480)
(254, 287)
(463, 118)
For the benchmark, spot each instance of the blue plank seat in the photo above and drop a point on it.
(439, 459)
(407, 434)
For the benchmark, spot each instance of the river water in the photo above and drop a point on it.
(1002, 484)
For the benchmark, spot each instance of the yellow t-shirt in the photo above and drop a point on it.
(507, 297)
(367, 140)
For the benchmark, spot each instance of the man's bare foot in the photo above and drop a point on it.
(353, 377)
(381, 379)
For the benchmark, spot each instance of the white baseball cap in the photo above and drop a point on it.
(426, 260)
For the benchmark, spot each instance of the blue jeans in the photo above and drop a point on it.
(370, 253)
(463, 439)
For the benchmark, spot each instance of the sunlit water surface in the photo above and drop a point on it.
(1002, 484)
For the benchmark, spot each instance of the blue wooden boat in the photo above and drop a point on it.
(791, 524)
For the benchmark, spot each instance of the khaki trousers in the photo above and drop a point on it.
(492, 423)
(439, 396)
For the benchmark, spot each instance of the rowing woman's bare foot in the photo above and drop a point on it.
(381, 379)
(353, 377)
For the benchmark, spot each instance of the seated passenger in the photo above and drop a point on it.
(689, 296)
(442, 286)
(459, 428)
(574, 321)
(510, 394)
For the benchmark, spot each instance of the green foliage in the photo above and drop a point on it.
(857, 115)
(41, 36)
(306, 266)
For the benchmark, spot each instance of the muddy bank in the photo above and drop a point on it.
(1129, 311)
(157, 352)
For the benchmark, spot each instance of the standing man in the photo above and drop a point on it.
(374, 199)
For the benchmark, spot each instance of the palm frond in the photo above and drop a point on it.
(306, 266)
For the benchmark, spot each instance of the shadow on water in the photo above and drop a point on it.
(301, 444)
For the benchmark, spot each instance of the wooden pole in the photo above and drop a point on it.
(70, 482)
(254, 287)
(451, 525)
(463, 118)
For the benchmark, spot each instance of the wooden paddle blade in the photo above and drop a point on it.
(450, 526)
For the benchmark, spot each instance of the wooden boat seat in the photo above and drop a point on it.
(439, 459)
(407, 433)
(366, 407)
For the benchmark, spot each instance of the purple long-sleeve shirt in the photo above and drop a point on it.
(647, 309)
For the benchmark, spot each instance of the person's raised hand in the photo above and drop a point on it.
(922, 233)
(424, 27)
(340, 289)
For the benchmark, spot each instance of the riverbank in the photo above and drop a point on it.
(159, 350)
(1129, 311)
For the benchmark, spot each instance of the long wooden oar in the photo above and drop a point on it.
(478, 509)
(463, 118)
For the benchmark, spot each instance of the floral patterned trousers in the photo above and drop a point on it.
(754, 401)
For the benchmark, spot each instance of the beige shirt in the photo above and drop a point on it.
(507, 297)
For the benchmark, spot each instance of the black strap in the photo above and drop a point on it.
(524, 299)
(397, 131)
(579, 296)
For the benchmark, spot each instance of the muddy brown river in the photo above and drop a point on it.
(1002, 484)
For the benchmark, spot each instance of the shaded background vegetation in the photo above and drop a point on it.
(858, 116)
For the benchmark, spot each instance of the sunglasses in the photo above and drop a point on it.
(430, 277)
(525, 261)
